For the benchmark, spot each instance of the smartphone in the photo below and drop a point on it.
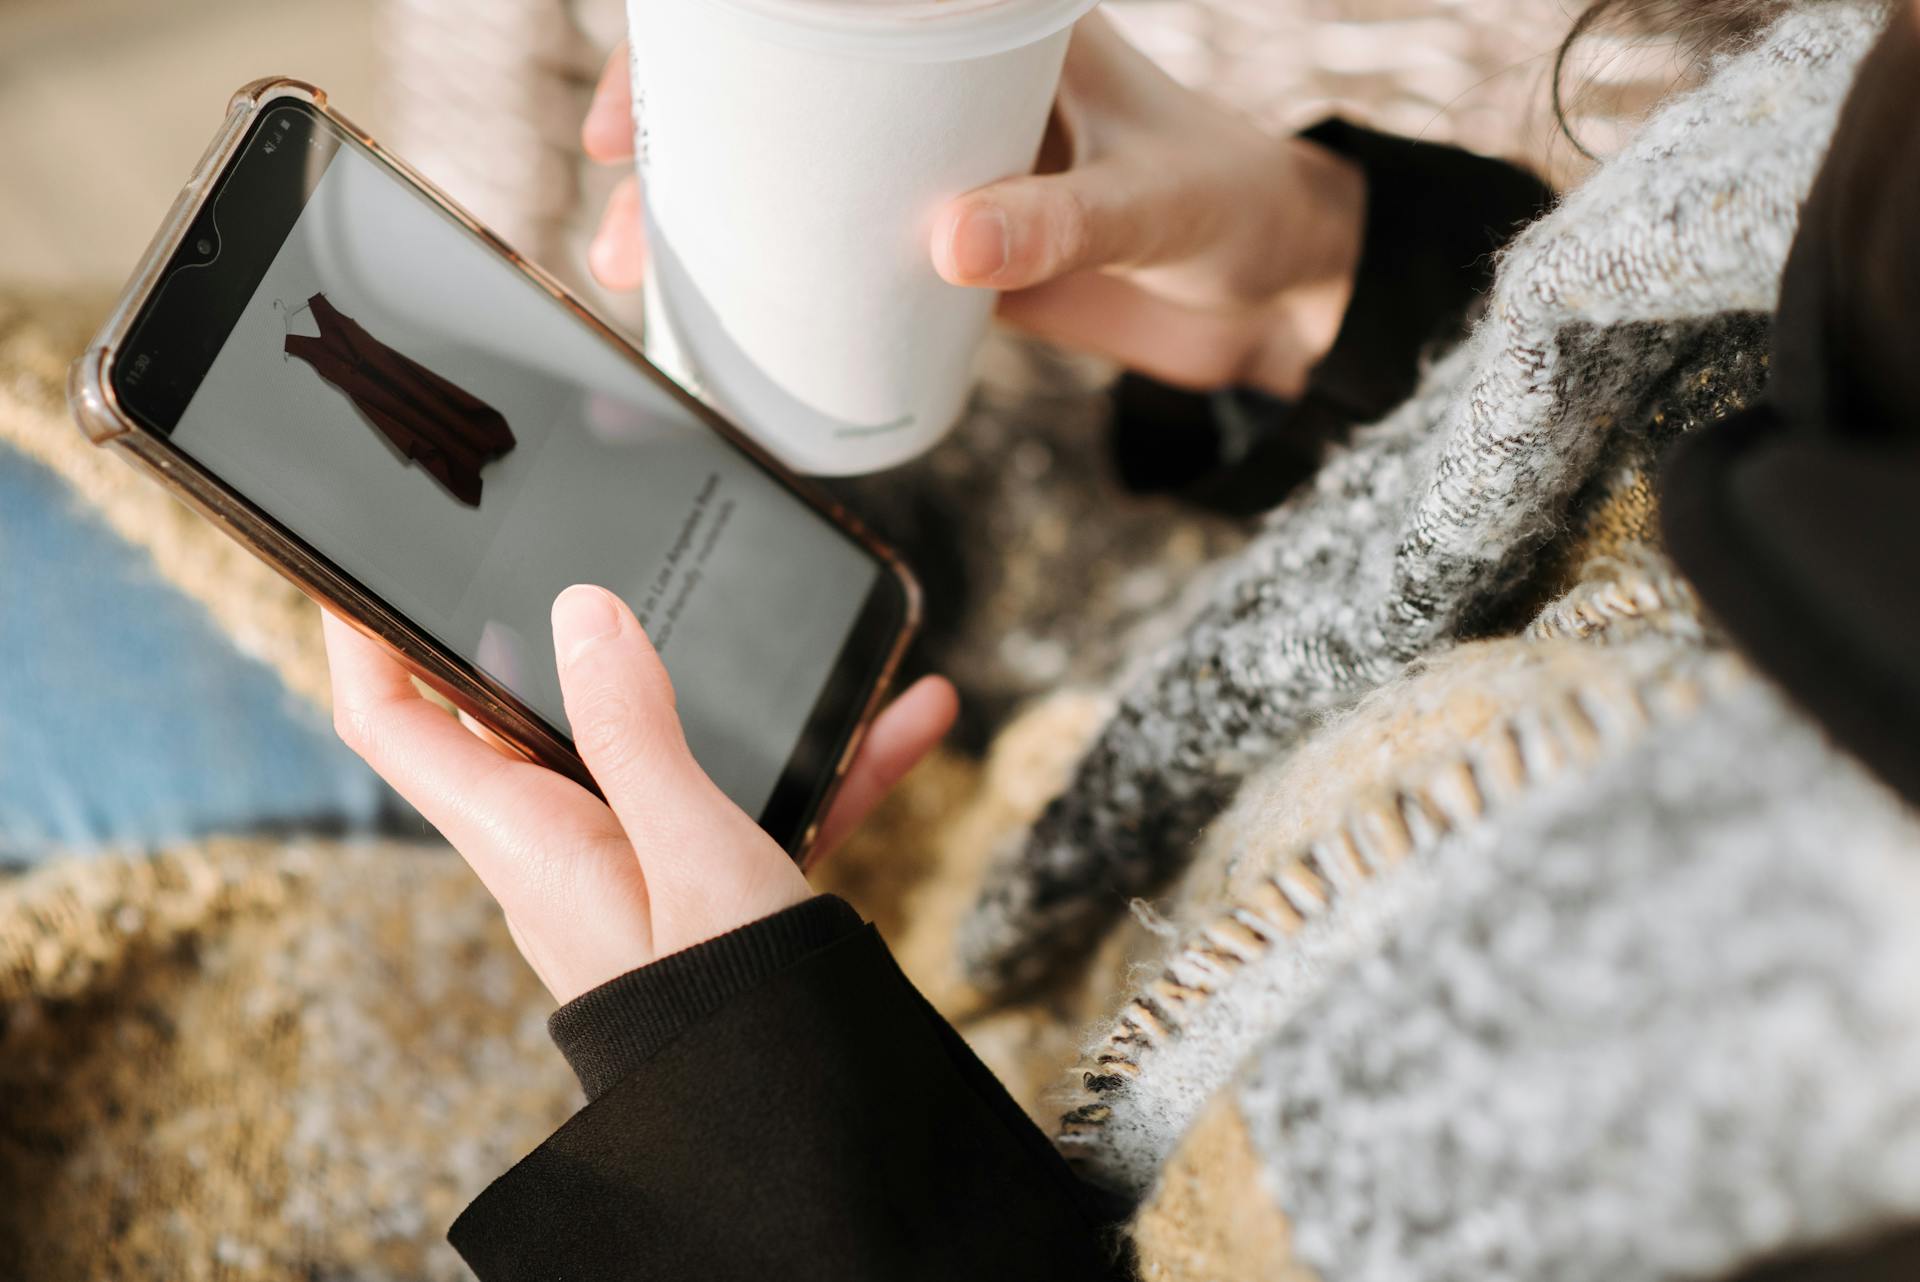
(337, 365)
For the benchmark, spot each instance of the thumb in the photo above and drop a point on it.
(708, 866)
(620, 706)
(1029, 230)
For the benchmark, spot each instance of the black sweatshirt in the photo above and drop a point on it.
(781, 1103)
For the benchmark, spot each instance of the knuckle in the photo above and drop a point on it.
(1072, 228)
(353, 726)
(611, 730)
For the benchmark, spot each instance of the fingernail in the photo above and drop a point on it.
(583, 616)
(979, 245)
(609, 96)
(600, 253)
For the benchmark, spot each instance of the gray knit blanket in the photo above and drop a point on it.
(1414, 534)
(1654, 1013)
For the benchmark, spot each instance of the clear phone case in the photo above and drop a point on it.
(91, 394)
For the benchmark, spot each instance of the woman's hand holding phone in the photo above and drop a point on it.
(1181, 241)
(592, 889)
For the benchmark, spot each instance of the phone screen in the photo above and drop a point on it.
(370, 374)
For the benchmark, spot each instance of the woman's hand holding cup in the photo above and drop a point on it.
(1172, 235)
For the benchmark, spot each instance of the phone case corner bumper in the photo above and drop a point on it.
(90, 398)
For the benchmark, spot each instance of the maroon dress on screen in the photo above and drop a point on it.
(449, 432)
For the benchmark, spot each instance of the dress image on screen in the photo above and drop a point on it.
(448, 431)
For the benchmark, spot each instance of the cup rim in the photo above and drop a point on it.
(907, 30)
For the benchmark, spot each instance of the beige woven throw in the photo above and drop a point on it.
(260, 1059)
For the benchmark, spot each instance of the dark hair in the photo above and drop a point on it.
(1699, 26)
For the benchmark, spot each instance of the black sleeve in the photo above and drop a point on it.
(608, 1032)
(1893, 1256)
(782, 1103)
(1436, 217)
(1798, 519)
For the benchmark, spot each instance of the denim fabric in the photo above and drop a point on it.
(126, 717)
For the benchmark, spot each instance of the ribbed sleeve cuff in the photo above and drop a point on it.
(1436, 216)
(608, 1032)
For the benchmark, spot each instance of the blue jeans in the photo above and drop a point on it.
(126, 717)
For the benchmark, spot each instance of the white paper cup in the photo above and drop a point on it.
(793, 154)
